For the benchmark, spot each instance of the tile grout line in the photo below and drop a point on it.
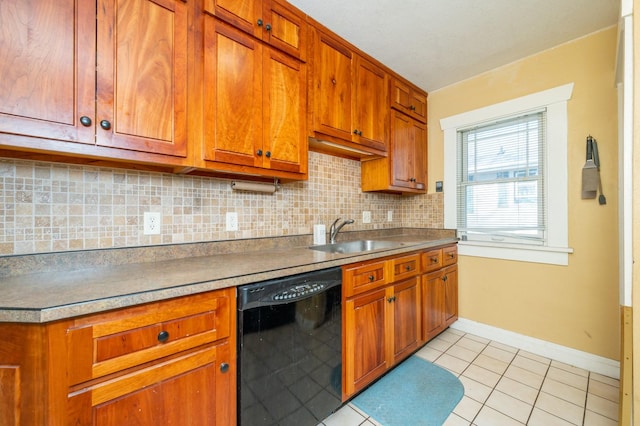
(586, 397)
(544, 378)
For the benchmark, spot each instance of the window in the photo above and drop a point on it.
(499, 188)
(506, 178)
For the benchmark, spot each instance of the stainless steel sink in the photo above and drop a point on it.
(356, 246)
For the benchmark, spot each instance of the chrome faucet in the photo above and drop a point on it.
(333, 230)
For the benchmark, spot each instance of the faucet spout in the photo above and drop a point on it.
(335, 228)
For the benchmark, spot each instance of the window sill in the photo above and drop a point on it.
(517, 252)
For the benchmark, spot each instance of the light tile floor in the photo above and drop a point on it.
(507, 386)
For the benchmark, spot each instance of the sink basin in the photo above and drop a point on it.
(356, 246)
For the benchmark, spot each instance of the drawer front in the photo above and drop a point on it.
(137, 339)
(431, 260)
(117, 340)
(406, 266)
(449, 255)
(359, 278)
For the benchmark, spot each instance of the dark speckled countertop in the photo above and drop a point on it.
(37, 289)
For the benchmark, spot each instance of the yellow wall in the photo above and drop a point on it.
(577, 305)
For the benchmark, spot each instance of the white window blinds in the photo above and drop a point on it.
(500, 180)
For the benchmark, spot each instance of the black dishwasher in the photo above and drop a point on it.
(289, 349)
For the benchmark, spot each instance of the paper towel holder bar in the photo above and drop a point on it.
(256, 186)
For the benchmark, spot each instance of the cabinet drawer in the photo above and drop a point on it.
(449, 255)
(431, 260)
(406, 266)
(359, 278)
(111, 342)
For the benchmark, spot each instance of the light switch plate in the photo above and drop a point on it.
(389, 215)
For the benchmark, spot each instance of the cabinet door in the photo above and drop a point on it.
(285, 113)
(432, 304)
(232, 95)
(182, 390)
(406, 318)
(243, 14)
(285, 28)
(364, 350)
(142, 75)
(409, 155)
(450, 280)
(420, 152)
(370, 111)
(408, 100)
(403, 144)
(419, 106)
(331, 89)
(47, 71)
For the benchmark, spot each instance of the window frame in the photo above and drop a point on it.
(556, 250)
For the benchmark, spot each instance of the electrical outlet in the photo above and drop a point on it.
(389, 215)
(366, 217)
(152, 223)
(232, 221)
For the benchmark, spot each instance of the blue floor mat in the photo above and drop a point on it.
(415, 393)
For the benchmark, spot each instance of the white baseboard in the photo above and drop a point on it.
(597, 364)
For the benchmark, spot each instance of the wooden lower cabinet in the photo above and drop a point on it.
(381, 326)
(365, 342)
(440, 301)
(406, 318)
(392, 306)
(178, 391)
(163, 363)
(450, 294)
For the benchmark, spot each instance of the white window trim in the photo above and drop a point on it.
(555, 101)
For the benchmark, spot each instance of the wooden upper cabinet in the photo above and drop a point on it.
(370, 111)
(275, 22)
(232, 95)
(47, 71)
(111, 76)
(284, 112)
(409, 145)
(349, 96)
(409, 99)
(254, 103)
(142, 75)
(332, 81)
(404, 170)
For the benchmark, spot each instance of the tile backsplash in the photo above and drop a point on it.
(51, 207)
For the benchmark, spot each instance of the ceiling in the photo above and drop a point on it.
(435, 43)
